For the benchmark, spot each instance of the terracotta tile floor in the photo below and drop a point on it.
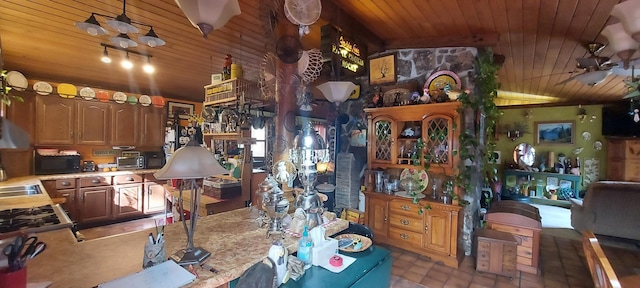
(562, 265)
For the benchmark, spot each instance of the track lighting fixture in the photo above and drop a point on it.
(105, 56)
(124, 25)
(126, 63)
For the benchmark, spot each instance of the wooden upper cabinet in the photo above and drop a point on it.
(153, 123)
(55, 121)
(93, 123)
(125, 122)
(16, 114)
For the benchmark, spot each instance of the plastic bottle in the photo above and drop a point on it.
(304, 248)
(539, 188)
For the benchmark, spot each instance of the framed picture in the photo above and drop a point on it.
(382, 70)
(555, 132)
(183, 110)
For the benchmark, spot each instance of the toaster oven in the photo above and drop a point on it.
(130, 162)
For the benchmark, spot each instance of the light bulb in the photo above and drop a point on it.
(148, 68)
(124, 44)
(126, 63)
(152, 43)
(92, 31)
(105, 56)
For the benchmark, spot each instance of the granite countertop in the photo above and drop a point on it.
(94, 174)
(234, 239)
(24, 201)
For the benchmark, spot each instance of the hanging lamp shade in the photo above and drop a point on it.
(122, 23)
(151, 39)
(208, 15)
(593, 78)
(92, 26)
(190, 162)
(337, 91)
(620, 42)
(123, 40)
(628, 12)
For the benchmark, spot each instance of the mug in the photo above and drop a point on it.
(153, 254)
(13, 279)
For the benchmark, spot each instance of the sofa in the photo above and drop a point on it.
(609, 208)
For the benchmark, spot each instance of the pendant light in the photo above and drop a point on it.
(92, 26)
(126, 63)
(208, 15)
(123, 40)
(151, 39)
(148, 68)
(105, 56)
(122, 23)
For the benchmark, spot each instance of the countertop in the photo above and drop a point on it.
(234, 239)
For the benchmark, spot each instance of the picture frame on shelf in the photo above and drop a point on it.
(183, 110)
(382, 70)
(555, 132)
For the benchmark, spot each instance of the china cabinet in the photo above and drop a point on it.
(395, 134)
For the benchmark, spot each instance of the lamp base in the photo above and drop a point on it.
(193, 257)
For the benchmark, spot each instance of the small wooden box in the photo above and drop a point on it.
(222, 188)
(496, 252)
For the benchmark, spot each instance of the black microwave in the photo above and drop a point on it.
(56, 164)
(153, 159)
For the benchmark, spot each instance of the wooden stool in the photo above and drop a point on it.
(496, 252)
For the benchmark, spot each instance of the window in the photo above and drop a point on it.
(259, 150)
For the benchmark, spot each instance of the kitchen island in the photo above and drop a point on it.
(235, 241)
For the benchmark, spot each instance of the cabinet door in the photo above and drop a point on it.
(154, 198)
(127, 200)
(125, 122)
(382, 141)
(93, 123)
(438, 140)
(55, 121)
(94, 204)
(70, 203)
(438, 231)
(378, 217)
(153, 124)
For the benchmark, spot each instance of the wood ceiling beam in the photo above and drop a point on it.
(475, 40)
(335, 15)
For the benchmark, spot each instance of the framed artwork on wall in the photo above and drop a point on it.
(554, 132)
(382, 70)
(182, 109)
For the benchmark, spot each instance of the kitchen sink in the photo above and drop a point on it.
(24, 190)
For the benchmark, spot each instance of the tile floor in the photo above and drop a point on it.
(562, 265)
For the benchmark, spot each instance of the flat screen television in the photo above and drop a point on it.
(618, 122)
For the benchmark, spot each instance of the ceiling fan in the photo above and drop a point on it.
(596, 68)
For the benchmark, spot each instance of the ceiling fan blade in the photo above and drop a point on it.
(565, 81)
(633, 94)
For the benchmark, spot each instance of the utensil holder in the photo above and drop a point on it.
(13, 279)
(153, 254)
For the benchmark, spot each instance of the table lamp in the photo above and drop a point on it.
(189, 163)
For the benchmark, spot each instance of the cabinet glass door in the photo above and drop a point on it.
(383, 140)
(437, 140)
(407, 146)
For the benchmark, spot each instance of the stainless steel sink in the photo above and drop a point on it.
(25, 190)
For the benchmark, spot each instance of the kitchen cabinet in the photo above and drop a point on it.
(396, 221)
(152, 124)
(125, 123)
(21, 160)
(63, 188)
(55, 121)
(92, 123)
(154, 195)
(94, 199)
(127, 196)
(623, 159)
(395, 132)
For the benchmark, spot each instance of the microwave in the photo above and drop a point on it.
(56, 164)
(130, 163)
(153, 159)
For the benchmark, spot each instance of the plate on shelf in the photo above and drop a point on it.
(66, 90)
(119, 97)
(145, 100)
(42, 88)
(87, 93)
(406, 194)
(418, 175)
(17, 81)
(436, 82)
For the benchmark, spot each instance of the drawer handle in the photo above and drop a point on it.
(426, 228)
(129, 179)
(65, 183)
(65, 195)
(405, 207)
(404, 236)
(385, 219)
(404, 222)
(518, 239)
(95, 181)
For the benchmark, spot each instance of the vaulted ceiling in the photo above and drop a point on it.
(539, 39)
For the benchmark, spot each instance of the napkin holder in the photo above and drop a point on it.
(323, 251)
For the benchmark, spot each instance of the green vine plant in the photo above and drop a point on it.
(482, 101)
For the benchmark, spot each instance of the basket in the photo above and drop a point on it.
(366, 242)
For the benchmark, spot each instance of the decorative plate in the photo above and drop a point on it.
(366, 242)
(132, 100)
(103, 96)
(419, 175)
(87, 93)
(66, 90)
(389, 97)
(42, 88)
(586, 136)
(17, 81)
(436, 82)
(157, 101)
(145, 100)
(597, 145)
(119, 97)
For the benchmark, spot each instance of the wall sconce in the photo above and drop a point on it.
(126, 62)
(528, 114)
(123, 24)
(518, 130)
(582, 115)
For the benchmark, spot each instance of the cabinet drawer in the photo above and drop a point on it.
(405, 208)
(524, 241)
(511, 229)
(525, 251)
(126, 179)
(404, 237)
(633, 149)
(482, 265)
(525, 261)
(65, 184)
(409, 223)
(95, 181)
(484, 254)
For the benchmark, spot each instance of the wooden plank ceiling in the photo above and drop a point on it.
(539, 39)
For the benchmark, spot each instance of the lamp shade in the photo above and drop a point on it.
(123, 40)
(190, 162)
(92, 26)
(337, 91)
(151, 39)
(628, 12)
(593, 78)
(122, 23)
(207, 15)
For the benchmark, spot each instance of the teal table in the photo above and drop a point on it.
(371, 269)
